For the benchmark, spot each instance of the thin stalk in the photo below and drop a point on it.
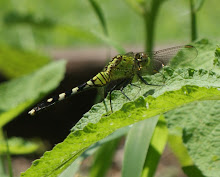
(8, 157)
(150, 28)
(1, 134)
(150, 18)
(193, 21)
(2, 170)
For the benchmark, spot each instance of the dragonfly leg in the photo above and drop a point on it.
(124, 84)
(145, 82)
(110, 96)
(121, 85)
(135, 85)
(125, 95)
(110, 100)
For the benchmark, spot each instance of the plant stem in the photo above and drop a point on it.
(193, 21)
(150, 26)
(150, 17)
(1, 134)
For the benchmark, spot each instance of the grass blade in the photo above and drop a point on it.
(103, 158)
(100, 15)
(156, 148)
(136, 147)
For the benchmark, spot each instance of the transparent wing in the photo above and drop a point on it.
(179, 55)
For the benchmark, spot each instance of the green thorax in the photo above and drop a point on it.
(121, 66)
(125, 66)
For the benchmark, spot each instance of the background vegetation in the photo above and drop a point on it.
(184, 112)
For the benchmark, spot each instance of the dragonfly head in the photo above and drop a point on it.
(141, 60)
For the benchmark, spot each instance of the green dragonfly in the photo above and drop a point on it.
(120, 71)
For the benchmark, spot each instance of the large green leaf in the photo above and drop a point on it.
(201, 132)
(19, 94)
(72, 169)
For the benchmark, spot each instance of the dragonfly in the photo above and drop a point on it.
(121, 70)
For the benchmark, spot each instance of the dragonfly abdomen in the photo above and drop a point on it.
(99, 80)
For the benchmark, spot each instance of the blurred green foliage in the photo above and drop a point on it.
(15, 62)
(124, 25)
(19, 146)
(183, 88)
(38, 24)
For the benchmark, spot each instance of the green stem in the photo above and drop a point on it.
(9, 159)
(193, 21)
(150, 27)
(1, 134)
(2, 170)
(150, 18)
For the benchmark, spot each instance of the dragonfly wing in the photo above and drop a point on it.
(173, 56)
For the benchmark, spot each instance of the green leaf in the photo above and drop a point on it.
(72, 169)
(103, 158)
(180, 151)
(18, 146)
(156, 148)
(100, 15)
(19, 94)
(202, 140)
(206, 53)
(136, 147)
(200, 133)
(16, 62)
(204, 60)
